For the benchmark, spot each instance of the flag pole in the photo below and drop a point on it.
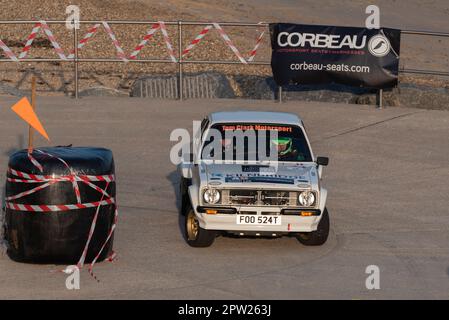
(33, 106)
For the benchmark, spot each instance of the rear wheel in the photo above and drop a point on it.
(195, 235)
(318, 237)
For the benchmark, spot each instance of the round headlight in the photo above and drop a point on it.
(211, 196)
(306, 198)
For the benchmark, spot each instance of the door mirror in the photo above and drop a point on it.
(322, 161)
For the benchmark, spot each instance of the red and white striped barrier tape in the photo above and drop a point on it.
(53, 41)
(93, 186)
(253, 52)
(58, 207)
(33, 178)
(27, 193)
(73, 175)
(42, 24)
(8, 52)
(170, 50)
(113, 255)
(91, 232)
(49, 180)
(120, 52)
(196, 40)
(228, 41)
(52, 181)
(149, 35)
(30, 40)
(80, 263)
(144, 41)
(34, 162)
(33, 181)
(84, 40)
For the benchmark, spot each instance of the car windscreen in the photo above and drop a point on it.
(256, 142)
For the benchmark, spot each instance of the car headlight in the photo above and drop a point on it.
(306, 198)
(211, 196)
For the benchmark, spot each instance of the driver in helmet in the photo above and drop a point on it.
(285, 149)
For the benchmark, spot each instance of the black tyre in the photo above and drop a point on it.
(194, 234)
(185, 201)
(318, 237)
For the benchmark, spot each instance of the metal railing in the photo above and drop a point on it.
(180, 61)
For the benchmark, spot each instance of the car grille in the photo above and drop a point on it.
(243, 197)
(275, 198)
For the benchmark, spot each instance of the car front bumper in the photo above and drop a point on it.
(225, 219)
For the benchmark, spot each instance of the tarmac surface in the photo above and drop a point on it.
(388, 203)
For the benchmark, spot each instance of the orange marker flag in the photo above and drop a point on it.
(25, 111)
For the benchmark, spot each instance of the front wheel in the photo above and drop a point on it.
(194, 234)
(318, 237)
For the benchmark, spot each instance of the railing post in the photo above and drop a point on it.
(75, 45)
(180, 85)
(380, 102)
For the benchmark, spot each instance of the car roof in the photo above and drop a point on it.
(255, 117)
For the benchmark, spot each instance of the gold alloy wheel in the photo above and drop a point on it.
(192, 226)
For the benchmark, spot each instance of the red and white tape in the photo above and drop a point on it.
(84, 40)
(120, 52)
(91, 232)
(253, 52)
(8, 52)
(34, 162)
(196, 40)
(53, 41)
(144, 41)
(170, 50)
(228, 41)
(80, 263)
(111, 232)
(33, 178)
(149, 35)
(49, 180)
(73, 175)
(27, 193)
(42, 24)
(57, 207)
(30, 40)
(113, 255)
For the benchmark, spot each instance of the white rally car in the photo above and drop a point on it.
(229, 188)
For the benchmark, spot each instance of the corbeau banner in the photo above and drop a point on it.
(311, 54)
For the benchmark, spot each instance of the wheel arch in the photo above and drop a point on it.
(323, 199)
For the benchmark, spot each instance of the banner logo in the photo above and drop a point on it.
(379, 46)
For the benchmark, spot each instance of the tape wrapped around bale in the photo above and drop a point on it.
(51, 199)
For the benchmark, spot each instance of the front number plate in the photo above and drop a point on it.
(258, 220)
